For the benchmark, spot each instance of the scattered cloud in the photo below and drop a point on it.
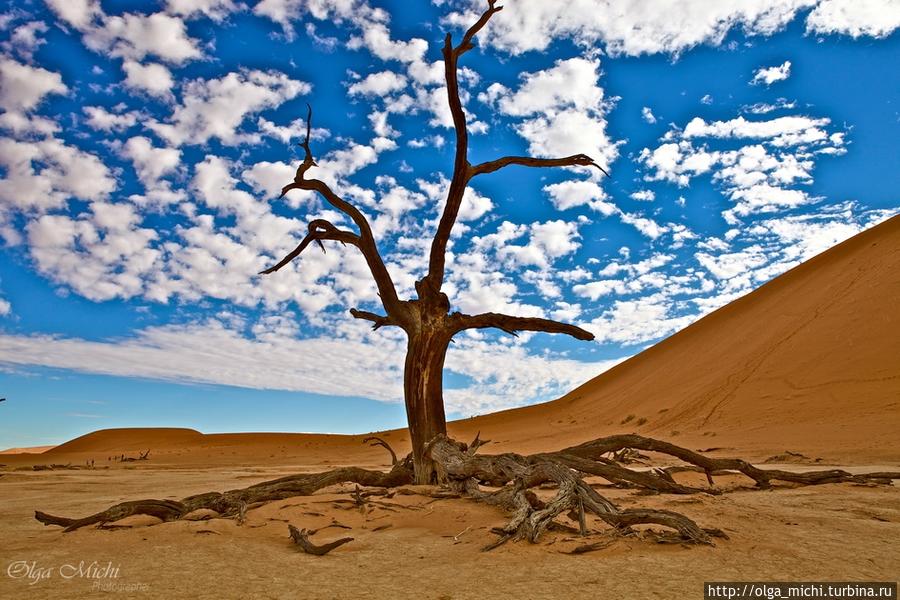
(216, 108)
(502, 374)
(770, 75)
(635, 28)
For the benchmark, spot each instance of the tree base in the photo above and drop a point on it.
(463, 473)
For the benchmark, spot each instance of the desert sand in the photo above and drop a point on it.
(804, 371)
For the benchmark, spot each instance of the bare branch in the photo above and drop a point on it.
(576, 160)
(365, 241)
(301, 538)
(378, 320)
(374, 441)
(319, 230)
(462, 170)
(476, 444)
(466, 43)
(461, 166)
(511, 325)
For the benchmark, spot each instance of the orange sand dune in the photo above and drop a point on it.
(809, 362)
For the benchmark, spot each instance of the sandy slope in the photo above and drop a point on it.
(809, 362)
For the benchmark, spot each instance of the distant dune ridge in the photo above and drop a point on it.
(808, 363)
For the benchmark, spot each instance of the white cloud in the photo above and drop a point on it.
(631, 27)
(216, 108)
(151, 164)
(216, 10)
(138, 36)
(761, 108)
(635, 27)
(569, 132)
(636, 321)
(503, 374)
(569, 194)
(778, 153)
(783, 131)
(565, 107)
(77, 13)
(25, 39)
(473, 205)
(101, 119)
(45, 174)
(101, 255)
(875, 18)
(377, 39)
(129, 35)
(370, 24)
(23, 87)
(728, 265)
(570, 83)
(293, 130)
(153, 78)
(644, 196)
(770, 75)
(269, 177)
(378, 84)
(648, 115)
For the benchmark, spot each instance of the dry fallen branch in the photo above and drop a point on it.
(374, 441)
(584, 548)
(228, 504)
(301, 538)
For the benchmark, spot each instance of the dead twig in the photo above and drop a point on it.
(300, 537)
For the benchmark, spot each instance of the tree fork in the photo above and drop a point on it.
(427, 320)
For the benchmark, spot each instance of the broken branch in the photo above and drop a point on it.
(301, 538)
(374, 441)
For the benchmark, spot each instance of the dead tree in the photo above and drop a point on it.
(502, 480)
(427, 319)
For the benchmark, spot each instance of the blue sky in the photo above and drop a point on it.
(144, 145)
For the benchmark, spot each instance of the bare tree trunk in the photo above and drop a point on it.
(423, 393)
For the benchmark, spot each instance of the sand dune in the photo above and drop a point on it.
(809, 362)
(28, 450)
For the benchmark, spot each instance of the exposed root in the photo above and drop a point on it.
(166, 510)
(595, 449)
(235, 503)
(514, 476)
(530, 516)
